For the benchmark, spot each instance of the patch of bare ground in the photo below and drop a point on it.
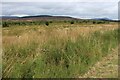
(105, 68)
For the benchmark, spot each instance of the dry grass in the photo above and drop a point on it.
(41, 34)
(30, 40)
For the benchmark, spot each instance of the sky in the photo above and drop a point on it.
(78, 9)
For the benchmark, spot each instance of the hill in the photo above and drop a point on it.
(39, 17)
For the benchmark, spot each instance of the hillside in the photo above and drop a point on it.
(39, 17)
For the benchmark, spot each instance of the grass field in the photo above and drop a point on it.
(57, 50)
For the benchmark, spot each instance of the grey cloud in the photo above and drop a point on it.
(86, 9)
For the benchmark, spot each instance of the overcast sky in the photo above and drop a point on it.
(77, 9)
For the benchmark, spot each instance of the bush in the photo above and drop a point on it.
(5, 24)
(94, 22)
(47, 23)
(72, 22)
(50, 21)
(100, 22)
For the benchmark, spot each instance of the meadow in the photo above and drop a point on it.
(55, 49)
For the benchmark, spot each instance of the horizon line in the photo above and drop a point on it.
(22, 15)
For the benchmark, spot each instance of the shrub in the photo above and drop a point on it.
(72, 22)
(50, 21)
(5, 24)
(47, 23)
(94, 22)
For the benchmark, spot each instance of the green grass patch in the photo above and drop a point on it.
(13, 58)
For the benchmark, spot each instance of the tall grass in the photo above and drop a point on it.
(69, 59)
(18, 55)
(59, 57)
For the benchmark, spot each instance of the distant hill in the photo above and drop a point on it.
(9, 17)
(49, 18)
(39, 17)
(104, 19)
(36, 16)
